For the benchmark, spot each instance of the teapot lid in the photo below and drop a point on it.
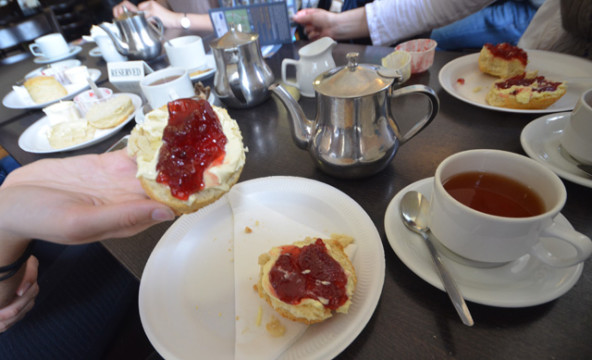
(233, 39)
(353, 79)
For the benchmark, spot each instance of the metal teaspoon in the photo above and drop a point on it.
(414, 211)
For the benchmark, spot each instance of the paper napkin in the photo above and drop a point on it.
(267, 227)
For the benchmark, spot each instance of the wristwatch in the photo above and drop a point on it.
(185, 23)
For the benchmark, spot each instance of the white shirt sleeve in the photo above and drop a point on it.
(390, 21)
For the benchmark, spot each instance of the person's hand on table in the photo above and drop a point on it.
(118, 9)
(73, 200)
(318, 23)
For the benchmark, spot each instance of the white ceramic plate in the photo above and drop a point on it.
(13, 101)
(540, 140)
(210, 64)
(66, 64)
(44, 60)
(34, 139)
(524, 282)
(187, 289)
(553, 66)
(95, 52)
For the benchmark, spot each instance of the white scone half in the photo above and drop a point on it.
(44, 89)
(308, 280)
(189, 153)
(111, 112)
(70, 133)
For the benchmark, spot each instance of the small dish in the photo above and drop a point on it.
(85, 100)
(422, 53)
(95, 52)
(523, 282)
(205, 71)
(43, 60)
(540, 141)
(400, 61)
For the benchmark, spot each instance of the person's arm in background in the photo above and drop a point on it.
(169, 18)
(386, 21)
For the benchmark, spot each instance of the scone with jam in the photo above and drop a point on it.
(308, 280)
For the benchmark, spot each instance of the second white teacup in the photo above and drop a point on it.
(166, 85)
(186, 52)
(50, 46)
(577, 135)
(473, 209)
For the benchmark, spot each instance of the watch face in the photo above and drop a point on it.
(185, 22)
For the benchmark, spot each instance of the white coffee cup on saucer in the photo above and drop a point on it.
(50, 46)
(577, 135)
(484, 233)
(186, 52)
(166, 85)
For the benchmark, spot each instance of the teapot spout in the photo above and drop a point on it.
(300, 126)
(120, 46)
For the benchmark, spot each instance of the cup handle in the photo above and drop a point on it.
(285, 64)
(421, 124)
(34, 49)
(580, 242)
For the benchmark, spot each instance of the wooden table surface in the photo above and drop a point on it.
(412, 319)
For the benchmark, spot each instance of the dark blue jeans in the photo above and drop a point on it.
(84, 295)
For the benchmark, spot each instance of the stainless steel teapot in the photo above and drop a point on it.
(141, 38)
(354, 133)
(242, 77)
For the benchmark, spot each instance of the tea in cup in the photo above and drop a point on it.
(166, 85)
(494, 206)
(577, 135)
(50, 46)
(186, 52)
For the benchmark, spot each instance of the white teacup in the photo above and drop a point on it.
(186, 52)
(577, 135)
(50, 46)
(315, 59)
(166, 85)
(486, 238)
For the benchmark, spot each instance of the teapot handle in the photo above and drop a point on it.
(420, 125)
(156, 24)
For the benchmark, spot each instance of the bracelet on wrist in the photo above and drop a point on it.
(10, 270)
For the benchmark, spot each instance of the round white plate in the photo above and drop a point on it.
(14, 101)
(95, 52)
(553, 66)
(187, 289)
(66, 64)
(540, 140)
(210, 64)
(524, 282)
(34, 139)
(43, 60)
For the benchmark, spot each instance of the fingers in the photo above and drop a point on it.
(118, 9)
(25, 300)
(114, 221)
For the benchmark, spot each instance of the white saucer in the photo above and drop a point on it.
(210, 65)
(43, 60)
(521, 283)
(95, 52)
(540, 140)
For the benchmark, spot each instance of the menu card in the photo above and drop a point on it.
(270, 20)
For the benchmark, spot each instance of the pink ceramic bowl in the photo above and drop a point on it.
(422, 53)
